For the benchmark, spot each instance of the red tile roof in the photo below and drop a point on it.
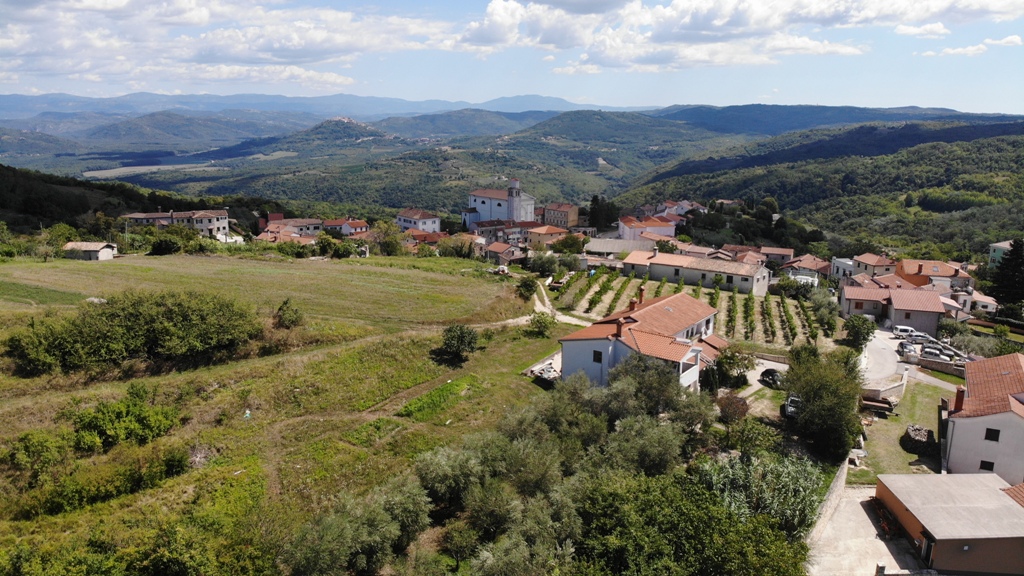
(917, 301)
(491, 193)
(548, 230)
(1016, 492)
(643, 258)
(809, 262)
(994, 385)
(417, 214)
(869, 294)
(874, 260)
(498, 247)
(716, 342)
(559, 206)
(787, 252)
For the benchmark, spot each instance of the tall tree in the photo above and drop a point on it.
(1008, 282)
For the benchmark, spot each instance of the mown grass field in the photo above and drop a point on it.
(283, 433)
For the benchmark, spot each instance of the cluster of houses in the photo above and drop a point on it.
(915, 293)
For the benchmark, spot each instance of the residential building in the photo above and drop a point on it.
(418, 219)
(90, 250)
(562, 215)
(490, 204)
(919, 309)
(209, 223)
(983, 431)
(996, 251)
(299, 230)
(959, 524)
(984, 303)
(669, 328)
(924, 272)
(774, 254)
(745, 277)
(843, 267)
(873, 264)
(347, 226)
(544, 235)
(630, 228)
(504, 254)
(611, 247)
(806, 265)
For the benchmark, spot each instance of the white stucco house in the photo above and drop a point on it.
(983, 430)
(740, 275)
(419, 219)
(90, 250)
(677, 329)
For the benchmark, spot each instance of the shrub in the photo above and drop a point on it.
(458, 340)
(541, 324)
(732, 408)
(288, 315)
(526, 288)
(168, 326)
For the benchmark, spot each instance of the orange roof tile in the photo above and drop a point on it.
(417, 214)
(548, 230)
(873, 260)
(1016, 492)
(916, 301)
(994, 385)
(491, 193)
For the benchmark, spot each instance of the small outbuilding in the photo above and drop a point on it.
(959, 523)
(90, 250)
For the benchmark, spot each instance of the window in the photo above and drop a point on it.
(728, 279)
(986, 465)
(597, 357)
(874, 305)
(858, 305)
(745, 280)
(499, 204)
(992, 434)
(703, 276)
(675, 271)
(906, 315)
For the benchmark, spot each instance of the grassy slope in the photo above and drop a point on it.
(323, 419)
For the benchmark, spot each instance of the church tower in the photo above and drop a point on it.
(515, 201)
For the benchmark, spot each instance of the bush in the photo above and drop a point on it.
(166, 326)
(288, 315)
(731, 408)
(541, 324)
(458, 340)
(526, 288)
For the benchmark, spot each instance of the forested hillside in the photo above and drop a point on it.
(966, 194)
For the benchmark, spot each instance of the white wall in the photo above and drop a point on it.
(967, 446)
(578, 355)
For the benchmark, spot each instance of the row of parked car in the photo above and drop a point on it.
(931, 348)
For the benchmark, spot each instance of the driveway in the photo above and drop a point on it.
(879, 360)
(849, 543)
(753, 375)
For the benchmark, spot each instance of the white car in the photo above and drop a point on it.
(933, 354)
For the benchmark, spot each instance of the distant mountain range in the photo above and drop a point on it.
(365, 108)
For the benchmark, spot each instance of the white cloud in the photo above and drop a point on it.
(243, 41)
(975, 50)
(935, 30)
(1014, 40)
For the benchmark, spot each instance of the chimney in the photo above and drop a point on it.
(958, 404)
(920, 268)
(632, 304)
(643, 292)
(655, 253)
(618, 327)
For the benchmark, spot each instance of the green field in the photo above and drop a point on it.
(284, 431)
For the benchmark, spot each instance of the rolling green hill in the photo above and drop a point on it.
(961, 195)
(461, 123)
(775, 119)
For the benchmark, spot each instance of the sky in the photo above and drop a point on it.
(961, 54)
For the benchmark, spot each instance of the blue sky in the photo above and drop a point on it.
(962, 54)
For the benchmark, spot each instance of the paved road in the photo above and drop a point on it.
(879, 360)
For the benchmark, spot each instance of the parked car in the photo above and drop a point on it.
(905, 348)
(902, 331)
(791, 407)
(771, 378)
(918, 337)
(932, 354)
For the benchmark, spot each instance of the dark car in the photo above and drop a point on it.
(771, 378)
(905, 348)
